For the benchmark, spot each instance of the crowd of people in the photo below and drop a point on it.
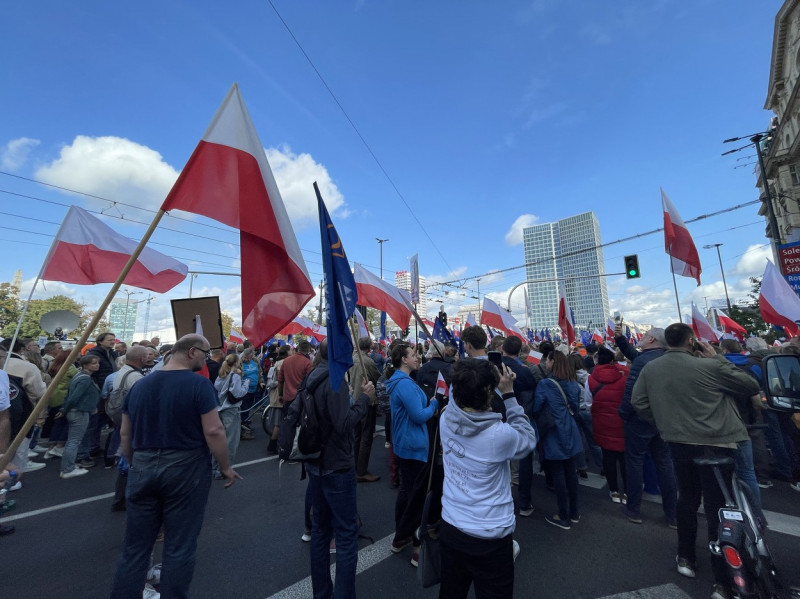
(640, 414)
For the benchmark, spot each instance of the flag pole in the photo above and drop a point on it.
(358, 351)
(675, 284)
(73, 354)
(426, 331)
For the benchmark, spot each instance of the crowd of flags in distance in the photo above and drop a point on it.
(228, 179)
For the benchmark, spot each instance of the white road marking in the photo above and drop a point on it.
(664, 591)
(63, 506)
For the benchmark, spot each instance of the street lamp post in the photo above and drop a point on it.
(722, 270)
(381, 242)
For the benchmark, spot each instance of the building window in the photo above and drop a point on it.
(794, 173)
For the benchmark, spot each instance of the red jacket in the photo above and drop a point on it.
(606, 423)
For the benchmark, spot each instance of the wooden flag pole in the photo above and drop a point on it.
(675, 284)
(358, 351)
(6, 458)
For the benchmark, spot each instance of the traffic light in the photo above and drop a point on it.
(632, 267)
(443, 318)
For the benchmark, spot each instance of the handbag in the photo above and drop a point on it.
(429, 568)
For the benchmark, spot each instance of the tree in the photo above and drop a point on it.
(9, 305)
(227, 324)
(749, 315)
(103, 325)
(38, 308)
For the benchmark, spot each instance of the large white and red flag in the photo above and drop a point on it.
(87, 251)
(610, 325)
(701, 327)
(565, 318)
(729, 325)
(377, 293)
(363, 331)
(235, 336)
(494, 316)
(777, 302)
(228, 179)
(678, 242)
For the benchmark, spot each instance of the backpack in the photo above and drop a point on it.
(21, 406)
(305, 444)
(116, 399)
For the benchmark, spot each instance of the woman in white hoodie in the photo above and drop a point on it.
(477, 508)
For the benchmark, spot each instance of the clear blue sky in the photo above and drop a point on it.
(480, 113)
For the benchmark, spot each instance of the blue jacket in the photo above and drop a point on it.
(565, 441)
(410, 412)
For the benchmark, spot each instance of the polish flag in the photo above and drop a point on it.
(678, 243)
(701, 327)
(565, 318)
(362, 326)
(87, 251)
(534, 357)
(597, 337)
(731, 326)
(235, 336)
(777, 302)
(609, 329)
(471, 320)
(229, 180)
(494, 316)
(442, 390)
(377, 293)
(303, 326)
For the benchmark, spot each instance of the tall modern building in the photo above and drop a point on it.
(122, 316)
(564, 250)
(402, 280)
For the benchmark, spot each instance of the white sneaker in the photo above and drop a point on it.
(77, 472)
(32, 454)
(16, 486)
(150, 593)
(306, 537)
(516, 549)
(54, 452)
(33, 466)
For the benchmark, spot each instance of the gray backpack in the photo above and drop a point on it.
(116, 399)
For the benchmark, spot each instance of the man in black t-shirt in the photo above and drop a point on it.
(169, 423)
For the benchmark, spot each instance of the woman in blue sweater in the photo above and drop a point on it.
(80, 403)
(560, 394)
(410, 411)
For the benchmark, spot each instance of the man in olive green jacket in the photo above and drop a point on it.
(690, 401)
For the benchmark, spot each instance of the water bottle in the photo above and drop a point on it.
(35, 434)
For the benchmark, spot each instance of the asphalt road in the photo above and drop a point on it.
(68, 541)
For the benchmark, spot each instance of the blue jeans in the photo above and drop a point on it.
(168, 487)
(641, 438)
(746, 471)
(78, 422)
(233, 432)
(584, 419)
(334, 512)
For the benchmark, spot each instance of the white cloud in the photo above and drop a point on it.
(15, 153)
(114, 168)
(122, 170)
(295, 174)
(514, 235)
(753, 261)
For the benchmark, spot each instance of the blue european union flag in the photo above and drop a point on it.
(341, 296)
(440, 333)
(586, 337)
(531, 340)
(383, 326)
(628, 332)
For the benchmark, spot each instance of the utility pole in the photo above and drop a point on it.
(722, 270)
(147, 316)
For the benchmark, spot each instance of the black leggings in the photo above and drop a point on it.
(611, 459)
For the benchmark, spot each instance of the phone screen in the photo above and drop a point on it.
(496, 358)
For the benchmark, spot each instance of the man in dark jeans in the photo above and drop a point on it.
(690, 399)
(642, 437)
(332, 482)
(365, 429)
(169, 423)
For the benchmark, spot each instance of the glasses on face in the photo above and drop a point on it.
(207, 352)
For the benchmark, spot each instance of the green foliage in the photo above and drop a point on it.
(227, 324)
(38, 308)
(749, 315)
(9, 305)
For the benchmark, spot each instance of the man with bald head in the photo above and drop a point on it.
(169, 423)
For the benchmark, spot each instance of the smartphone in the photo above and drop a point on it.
(496, 358)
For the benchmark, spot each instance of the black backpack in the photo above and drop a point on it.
(305, 444)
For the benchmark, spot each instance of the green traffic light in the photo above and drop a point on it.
(631, 273)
